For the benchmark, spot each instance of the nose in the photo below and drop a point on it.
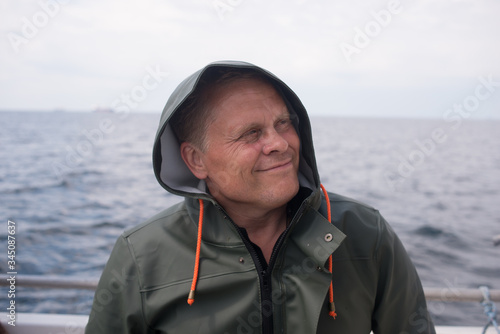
(274, 142)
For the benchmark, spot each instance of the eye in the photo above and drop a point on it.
(250, 135)
(283, 124)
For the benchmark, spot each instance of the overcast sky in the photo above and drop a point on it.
(343, 58)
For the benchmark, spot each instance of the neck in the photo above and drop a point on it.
(263, 229)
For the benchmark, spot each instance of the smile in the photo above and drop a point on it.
(277, 167)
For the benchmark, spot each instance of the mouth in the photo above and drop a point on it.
(277, 167)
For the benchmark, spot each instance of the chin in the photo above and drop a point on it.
(283, 194)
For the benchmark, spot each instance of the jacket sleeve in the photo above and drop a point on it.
(117, 306)
(400, 305)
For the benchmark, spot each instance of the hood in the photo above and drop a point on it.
(171, 171)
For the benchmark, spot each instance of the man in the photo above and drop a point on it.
(258, 245)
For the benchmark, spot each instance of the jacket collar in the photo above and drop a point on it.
(309, 224)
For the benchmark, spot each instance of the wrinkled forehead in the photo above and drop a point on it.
(247, 95)
(247, 106)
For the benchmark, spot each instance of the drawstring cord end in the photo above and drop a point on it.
(191, 297)
(331, 307)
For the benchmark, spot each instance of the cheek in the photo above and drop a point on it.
(293, 139)
(242, 162)
(231, 162)
(233, 168)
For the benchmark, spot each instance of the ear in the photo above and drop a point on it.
(192, 157)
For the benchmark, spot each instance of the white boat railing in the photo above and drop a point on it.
(61, 282)
(54, 282)
(28, 323)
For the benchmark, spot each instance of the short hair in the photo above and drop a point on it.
(190, 122)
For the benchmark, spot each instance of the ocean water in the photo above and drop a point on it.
(73, 182)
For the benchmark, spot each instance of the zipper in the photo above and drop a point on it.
(265, 278)
(277, 246)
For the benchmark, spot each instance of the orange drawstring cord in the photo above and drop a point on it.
(330, 261)
(198, 247)
(197, 260)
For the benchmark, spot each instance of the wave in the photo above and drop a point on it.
(66, 182)
(445, 237)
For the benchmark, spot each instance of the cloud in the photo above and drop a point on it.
(89, 52)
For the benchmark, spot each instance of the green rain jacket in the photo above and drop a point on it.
(145, 284)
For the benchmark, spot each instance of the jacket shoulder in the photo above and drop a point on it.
(346, 203)
(164, 218)
(161, 244)
(362, 224)
(347, 210)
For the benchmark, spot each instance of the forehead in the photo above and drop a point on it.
(247, 97)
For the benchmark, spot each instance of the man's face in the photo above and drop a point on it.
(252, 154)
